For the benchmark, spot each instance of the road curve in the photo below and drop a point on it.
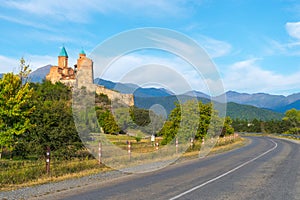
(267, 168)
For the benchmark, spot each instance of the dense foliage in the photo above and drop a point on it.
(196, 120)
(54, 124)
(289, 124)
(234, 110)
(15, 110)
(247, 112)
(292, 118)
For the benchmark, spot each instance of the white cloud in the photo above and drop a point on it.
(81, 10)
(66, 10)
(8, 64)
(170, 72)
(248, 76)
(30, 23)
(293, 29)
(215, 48)
(289, 48)
(37, 61)
(275, 47)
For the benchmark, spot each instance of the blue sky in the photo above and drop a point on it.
(255, 44)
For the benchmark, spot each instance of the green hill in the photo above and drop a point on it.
(239, 111)
(234, 110)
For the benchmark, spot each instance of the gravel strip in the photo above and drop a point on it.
(50, 188)
(54, 187)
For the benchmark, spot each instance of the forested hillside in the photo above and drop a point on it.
(234, 110)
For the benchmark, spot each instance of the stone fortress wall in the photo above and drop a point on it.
(82, 76)
(116, 96)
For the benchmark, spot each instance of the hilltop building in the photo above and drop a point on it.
(82, 75)
(68, 75)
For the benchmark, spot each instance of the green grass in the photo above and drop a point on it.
(20, 173)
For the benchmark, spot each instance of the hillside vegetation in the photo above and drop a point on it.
(234, 110)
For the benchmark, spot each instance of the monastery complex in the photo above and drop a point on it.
(82, 75)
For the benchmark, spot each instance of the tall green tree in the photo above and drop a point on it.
(24, 71)
(292, 117)
(227, 128)
(194, 119)
(170, 128)
(108, 123)
(54, 123)
(15, 110)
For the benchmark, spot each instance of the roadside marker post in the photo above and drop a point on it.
(129, 150)
(176, 144)
(48, 160)
(100, 152)
(192, 142)
(153, 140)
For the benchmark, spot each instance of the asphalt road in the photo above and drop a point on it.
(267, 168)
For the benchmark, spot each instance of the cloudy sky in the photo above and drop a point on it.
(254, 44)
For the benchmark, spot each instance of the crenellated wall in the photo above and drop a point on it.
(127, 99)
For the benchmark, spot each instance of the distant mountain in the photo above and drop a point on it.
(129, 88)
(261, 100)
(39, 74)
(120, 87)
(295, 105)
(293, 97)
(234, 110)
(240, 105)
(167, 102)
(197, 94)
(151, 92)
(239, 111)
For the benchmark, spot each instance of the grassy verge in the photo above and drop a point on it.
(19, 174)
(286, 136)
(219, 148)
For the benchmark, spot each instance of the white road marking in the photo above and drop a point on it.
(226, 173)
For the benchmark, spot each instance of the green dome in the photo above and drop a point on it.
(82, 52)
(63, 52)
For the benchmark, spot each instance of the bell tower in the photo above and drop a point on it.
(63, 58)
(82, 57)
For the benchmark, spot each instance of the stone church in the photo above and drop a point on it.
(82, 75)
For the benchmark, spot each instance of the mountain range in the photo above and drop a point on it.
(278, 103)
(239, 105)
(39, 74)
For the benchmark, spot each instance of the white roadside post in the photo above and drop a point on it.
(48, 160)
(176, 144)
(100, 152)
(153, 140)
(129, 150)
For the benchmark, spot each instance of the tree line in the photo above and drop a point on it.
(289, 124)
(196, 120)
